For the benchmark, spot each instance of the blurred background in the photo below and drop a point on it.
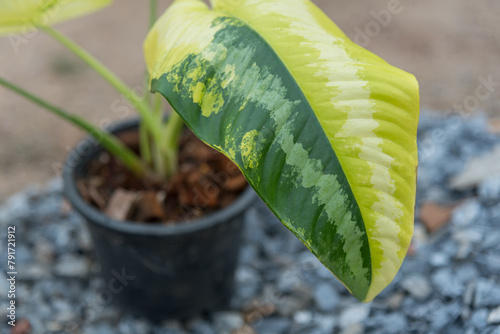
(452, 46)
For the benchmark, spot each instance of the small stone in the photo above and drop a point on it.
(54, 326)
(4, 284)
(66, 316)
(454, 308)
(326, 297)
(303, 317)
(95, 313)
(62, 308)
(253, 230)
(355, 314)
(489, 190)
(449, 246)
(130, 325)
(492, 261)
(478, 170)
(494, 214)
(24, 254)
(436, 194)
(395, 301)
(297, 300)
(464, 250)
(492, 237)
(44, 251)
(62, 237)
(392, 323)
(33, 272)
(257, 309)
(274, 326)
(434, 216)
(308, 262)
(418, 286)
(325, 323)
(72, 266)
(247, 281)
(420, 311)
(38, 325)
(50, 207)
(446, 283)
(453, 329)
(466, 273)
(469, 293)
(467, 213)
(487, 294)
(440, 319)
(439, 259)
(249, 253)
(199, 326)
(169, 327)
(354, 329)
(84, 240)
(479, 319)
(472, 235)
(99, 329)
(226, 322)
(245, 329)
(17, 207)
(288, 279)
(494, 317)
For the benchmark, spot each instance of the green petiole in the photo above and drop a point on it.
(108, 141)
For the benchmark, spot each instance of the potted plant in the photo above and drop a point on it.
(323, 130)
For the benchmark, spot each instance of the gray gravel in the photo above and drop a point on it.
(451, 284)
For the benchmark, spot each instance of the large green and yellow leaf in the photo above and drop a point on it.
(23, 16)
(324, 130)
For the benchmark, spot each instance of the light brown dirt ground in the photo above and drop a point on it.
(447, 44)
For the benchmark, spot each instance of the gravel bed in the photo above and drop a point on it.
(449, 284)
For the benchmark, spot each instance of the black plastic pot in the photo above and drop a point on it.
(160, 271)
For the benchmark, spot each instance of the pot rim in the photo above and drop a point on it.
(91, 148)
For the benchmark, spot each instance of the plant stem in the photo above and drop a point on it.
(169, 143)
(158, 105)
(153, 5)
(108, 141)
(162, 147)
(145, 145)
(173, 131)
(140, 104)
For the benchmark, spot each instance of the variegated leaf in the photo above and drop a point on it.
(324, 131)
(23, 16)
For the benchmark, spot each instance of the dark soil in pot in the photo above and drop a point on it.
(206, 181)
(182, 261)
